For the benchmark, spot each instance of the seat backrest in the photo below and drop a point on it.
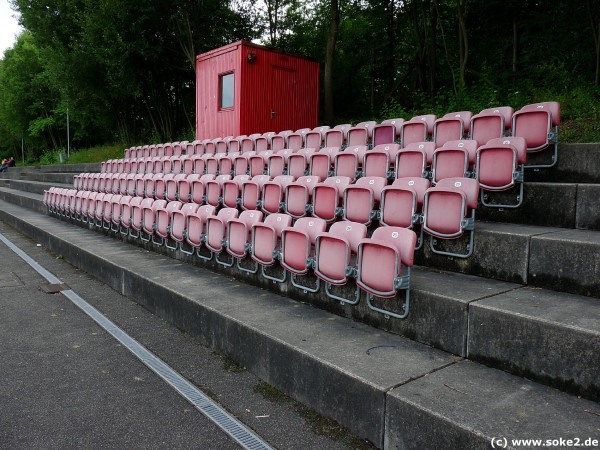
(552, 107)
(278, 222)
(418, 184)
(469, 186)
(376, 184)
(403, 239)
(312, 226)
(517, 142)
(353, 232)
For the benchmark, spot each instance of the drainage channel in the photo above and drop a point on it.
(229, 424)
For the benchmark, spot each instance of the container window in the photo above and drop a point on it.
(226, 83)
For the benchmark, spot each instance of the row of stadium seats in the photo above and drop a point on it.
(536, 123)
(252, 240)
(498, 166)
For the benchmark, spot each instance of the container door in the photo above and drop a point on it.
(283, 98)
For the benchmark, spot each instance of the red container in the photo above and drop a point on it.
(245, 88)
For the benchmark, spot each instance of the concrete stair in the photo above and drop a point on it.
(405, 393)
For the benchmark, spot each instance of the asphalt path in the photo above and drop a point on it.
(67, 384)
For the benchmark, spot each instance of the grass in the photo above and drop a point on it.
(96, 154)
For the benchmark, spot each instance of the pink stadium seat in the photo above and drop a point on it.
(258, 162)
(414, 159)
(172, 187)
(449, 212)
(361, 199)
(297, 249)
(402, 204)
(241, 164)
(349, 162)
(216, 227)
(500, 166)
(150, 214)
(272, 194)
(296, 139)
(177, 232)
(315, 137)
(238, 237)
(335, 257)
(298, 196)
(382, 260)
(538, 124)
(232, 190)
(251, 192)
(361, 134)
(417, 129)
(298, 162)
(327, 196)
(137, 216)
(194, 230)
(452, 127)
(387, 132)
(336, 137)
(265, 243)
(453, 160)
(321, 162)
(198, 188)
(164, 217)
(214, 190)
(127, 208)
(491, 123)
(277, 164)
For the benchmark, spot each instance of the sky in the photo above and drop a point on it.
(9, 26)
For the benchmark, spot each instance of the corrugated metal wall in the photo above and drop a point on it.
(273, 91)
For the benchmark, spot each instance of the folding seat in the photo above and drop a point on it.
(247, 143)
(538, 124)
(120, 165)
(104, 167)
(251, 192)
(146, 151)
(327, 196)
(453, 126)
(361, 134)
(238, 236)
(491, 123)
(197, 149)
(349, 162)
(279, 141)
(315, 137)
(232, 190)
(127, 152)
(262, 142)
(187, 164)
(115, 183)
(178, 148)
(376, 163)
(269, 137)
(179, 218)
(150, 215)
(298, 196)
(86, 200)
(172, 187)
(78, 202)
(225, 164)
(258, 162)
(168, 149)
(241, 163)
(273, 194)
(128, 204)
(176, 164)
(153, 151)
(127, 165)
(164, 216)
(500, 166)
(99, 205)
(387, 132)
(362, 198)
(265, 247)
(298, 162)
(116, 211)
(414, 159)
(215, 232)
(194, 230)
(453, 160)
(296, 139)
(449, 212)
(277, 163)
(417, 129)
(235, 145)
(167, 165)
(321, 162)
(123, 181)
(297, 249)
(199, 164)
(209, 147)
(77, 181)
(335, 257)
(107, 206)
(221, 146)
(214, 190)
(160, 186)
(384, 263)
(402, 204)
(336, 137)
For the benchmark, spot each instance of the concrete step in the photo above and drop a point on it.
(455, 312)
(388, 389)
(35, 187)
(577, 163)
(564, 205)
(61, 168)
(49, 177)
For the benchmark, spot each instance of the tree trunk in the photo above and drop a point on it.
(463, 41)
(329, 56)
(596, 36)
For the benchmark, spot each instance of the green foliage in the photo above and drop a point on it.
(96, 154)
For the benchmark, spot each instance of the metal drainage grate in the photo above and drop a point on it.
(229, 424)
